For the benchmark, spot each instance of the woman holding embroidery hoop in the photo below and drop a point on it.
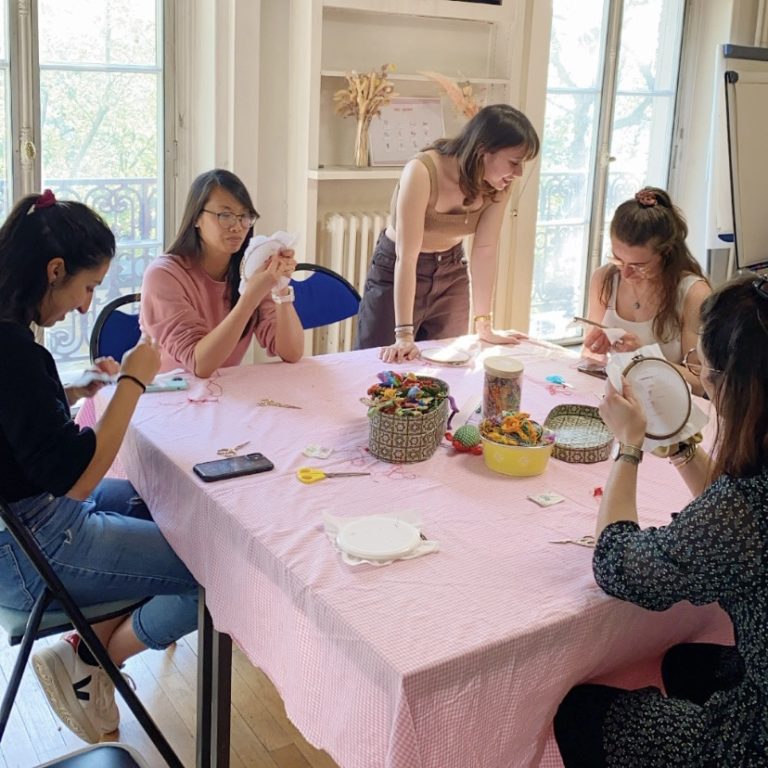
(652, 286)
(417, 286)
(713, 551)
(190, 297)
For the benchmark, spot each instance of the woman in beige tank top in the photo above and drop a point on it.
(417, 286)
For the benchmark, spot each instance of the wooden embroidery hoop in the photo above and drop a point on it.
(677, 396)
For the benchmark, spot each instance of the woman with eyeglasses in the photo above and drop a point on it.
(190, 298)
(715, 711)
(417, 287)
(652, 287)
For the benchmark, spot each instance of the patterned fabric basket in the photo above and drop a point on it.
(408, 439)
(581, 435)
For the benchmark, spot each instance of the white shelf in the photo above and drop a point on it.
(350, 172)
(394, 76)
(443, 9)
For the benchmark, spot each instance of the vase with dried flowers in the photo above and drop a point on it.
(460, 93)
(363, 99)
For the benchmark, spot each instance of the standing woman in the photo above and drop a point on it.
(417, 286)
(653, 288)
(190, 297)
(97, 534)
(715, 712)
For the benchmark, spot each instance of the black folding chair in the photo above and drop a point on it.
(104, 755)
(24, 628)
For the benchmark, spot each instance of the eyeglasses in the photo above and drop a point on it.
(761, 287)
(228, 220)
(695, 367)
(642, 270)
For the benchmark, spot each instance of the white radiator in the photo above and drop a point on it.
(346, 247)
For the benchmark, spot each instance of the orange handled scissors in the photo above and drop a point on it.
(312, 475)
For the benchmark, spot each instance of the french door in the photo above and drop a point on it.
(82, 96)
(611, 92)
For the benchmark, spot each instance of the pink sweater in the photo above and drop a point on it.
(181, 303)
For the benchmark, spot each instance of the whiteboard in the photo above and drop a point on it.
(746, 101)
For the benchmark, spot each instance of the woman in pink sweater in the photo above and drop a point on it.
(190, 300)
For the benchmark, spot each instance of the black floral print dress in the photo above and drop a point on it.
(715, 550)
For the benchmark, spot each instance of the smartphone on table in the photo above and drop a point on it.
(233, 466)
(593, 368)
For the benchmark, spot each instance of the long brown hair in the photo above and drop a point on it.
(187, 242)
(734, 340)
(494, 127)
(650, 219)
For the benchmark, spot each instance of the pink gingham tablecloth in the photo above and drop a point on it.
(455, 659)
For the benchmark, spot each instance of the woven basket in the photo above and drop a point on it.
(407, 439)
(581, 435)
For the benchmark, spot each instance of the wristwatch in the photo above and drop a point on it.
(627, 452)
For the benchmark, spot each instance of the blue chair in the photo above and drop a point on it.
(116, 331)
(325, 297)
(24, 628)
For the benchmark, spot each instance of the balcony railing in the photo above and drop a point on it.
(130, 208)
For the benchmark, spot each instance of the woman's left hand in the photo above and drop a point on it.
(105, 365)
(623, 414)
(488, 334)
(629, 342)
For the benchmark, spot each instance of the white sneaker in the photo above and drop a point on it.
(81, 694)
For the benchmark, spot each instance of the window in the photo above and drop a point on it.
(96, 90)
(5, 144)
(607, 133)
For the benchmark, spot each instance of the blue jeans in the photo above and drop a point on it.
(103, 549)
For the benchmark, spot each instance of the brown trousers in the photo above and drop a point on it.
(441, 305)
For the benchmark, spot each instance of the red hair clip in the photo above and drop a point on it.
(46, 200)
(646, 198)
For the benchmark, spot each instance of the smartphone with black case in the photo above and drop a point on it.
(235, 466)
(593, 369)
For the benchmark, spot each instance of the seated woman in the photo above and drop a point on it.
(190, 298)
(653, 288)
(98, 536)
(716, 709)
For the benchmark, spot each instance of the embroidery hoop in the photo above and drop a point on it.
(665, 416)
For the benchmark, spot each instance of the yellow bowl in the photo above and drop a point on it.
(517, 460)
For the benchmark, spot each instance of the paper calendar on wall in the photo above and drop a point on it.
(405, 127)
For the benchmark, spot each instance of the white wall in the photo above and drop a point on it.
(234, 109)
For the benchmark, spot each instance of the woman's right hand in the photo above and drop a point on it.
(143, 361)
(597, 342)
(399, 352)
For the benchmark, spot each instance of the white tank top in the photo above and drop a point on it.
(672, 349)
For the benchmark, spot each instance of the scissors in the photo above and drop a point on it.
(312, 475)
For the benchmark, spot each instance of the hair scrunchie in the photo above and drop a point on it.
(46, 200)
(646, 198)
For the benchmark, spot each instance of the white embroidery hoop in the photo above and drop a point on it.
(664, 394)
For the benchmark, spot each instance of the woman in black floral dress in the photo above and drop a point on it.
(715, 550)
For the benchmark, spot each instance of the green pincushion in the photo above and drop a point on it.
(468, 435)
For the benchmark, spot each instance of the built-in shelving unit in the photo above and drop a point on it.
(466, 41)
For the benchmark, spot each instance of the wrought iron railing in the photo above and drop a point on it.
(131, 208)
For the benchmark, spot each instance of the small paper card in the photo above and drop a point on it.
(546, 499)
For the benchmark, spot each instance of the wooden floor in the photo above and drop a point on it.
(262, 736)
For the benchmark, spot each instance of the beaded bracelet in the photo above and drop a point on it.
(134, 380)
